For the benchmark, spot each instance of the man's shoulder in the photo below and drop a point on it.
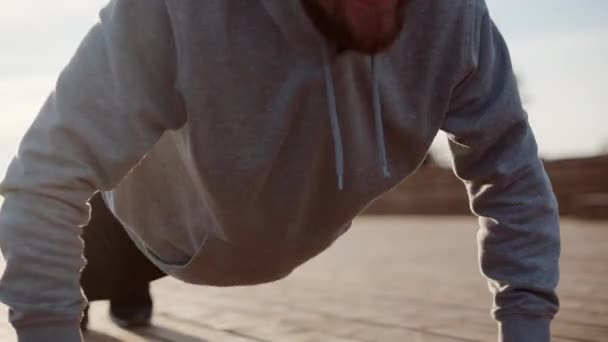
(441, 10)
(438, 19)
(438, 33)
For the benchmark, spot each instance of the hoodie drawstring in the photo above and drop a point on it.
(335, 123)
(378, 118)
(333, 118)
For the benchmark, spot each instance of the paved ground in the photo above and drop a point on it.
(389, 279)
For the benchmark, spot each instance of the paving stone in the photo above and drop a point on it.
(388, 279)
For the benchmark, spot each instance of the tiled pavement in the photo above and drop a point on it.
(388, 279)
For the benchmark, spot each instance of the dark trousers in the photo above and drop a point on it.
(115, 269)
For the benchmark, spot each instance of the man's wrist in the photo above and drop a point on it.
(524, 328)
(48, 333)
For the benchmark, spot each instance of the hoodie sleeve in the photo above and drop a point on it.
(111, 104)
(495, 154)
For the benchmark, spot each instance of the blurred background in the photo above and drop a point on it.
(560, 52)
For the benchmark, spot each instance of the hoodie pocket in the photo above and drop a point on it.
(218, 263)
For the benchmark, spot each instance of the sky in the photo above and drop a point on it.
(559, 49)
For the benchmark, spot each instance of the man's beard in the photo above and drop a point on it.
(335, 24)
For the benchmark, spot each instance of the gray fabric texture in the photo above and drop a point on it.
(205, 124)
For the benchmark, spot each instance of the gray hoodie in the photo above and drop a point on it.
(235, 143)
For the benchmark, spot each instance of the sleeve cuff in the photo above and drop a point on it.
(522, 328)
(64, 333)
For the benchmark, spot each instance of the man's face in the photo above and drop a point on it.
(367, 26)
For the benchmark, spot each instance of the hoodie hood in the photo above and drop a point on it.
(335, 118)
(298, 28)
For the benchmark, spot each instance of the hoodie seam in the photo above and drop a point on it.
(468, 38)
(176, 34)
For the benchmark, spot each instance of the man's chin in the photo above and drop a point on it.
(352, 32)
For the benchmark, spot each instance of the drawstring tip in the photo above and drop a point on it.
(340, 183)
(387, 172)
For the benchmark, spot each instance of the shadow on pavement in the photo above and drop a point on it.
(96, 336)
(154, 333)
(159, 332)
